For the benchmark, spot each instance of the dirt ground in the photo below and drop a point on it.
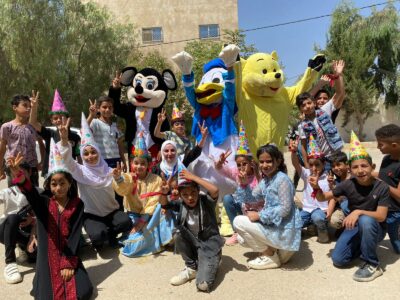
(308, 275)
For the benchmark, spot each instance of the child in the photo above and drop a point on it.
(102, 218)
(152, 228)
(60, 273)
(338, 211)
(107, 136)
(177, 133)
(19, 136)
(16, 215)
(368, 203)
(58, 110)
(318, 122)
(313, 211)
(388, 138)
(275, 230)
(247, 167)
(197, 237)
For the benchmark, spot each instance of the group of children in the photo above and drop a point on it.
(147, 205)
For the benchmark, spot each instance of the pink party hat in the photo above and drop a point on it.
(56, 161)
(86, 133)
(140, 149)
(176, 113)
(243, 143)
(58, 105)
(313, 150)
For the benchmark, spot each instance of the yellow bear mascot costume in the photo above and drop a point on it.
(264, 103)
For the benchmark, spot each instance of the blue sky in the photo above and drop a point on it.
(294, 43)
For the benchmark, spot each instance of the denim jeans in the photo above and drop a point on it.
(393, 229)
(198, 257)
(344, 206)
(232, 208)
(317, 217)
(361, 241)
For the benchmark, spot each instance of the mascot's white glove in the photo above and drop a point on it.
(229, 55)
(184, 62)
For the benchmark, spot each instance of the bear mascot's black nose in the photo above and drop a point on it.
(278, 75)
(138, 89)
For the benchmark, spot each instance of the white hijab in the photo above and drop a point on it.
(98, 175)
(169, 168)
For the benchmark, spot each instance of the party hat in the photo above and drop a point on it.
(313, 150)
(86, 133)
(58, 105)
(243, 143)
(56, 161)
(357, 150)
(176, 113)
(140, 148)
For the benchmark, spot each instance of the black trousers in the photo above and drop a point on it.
(10, 235)
(102, 229)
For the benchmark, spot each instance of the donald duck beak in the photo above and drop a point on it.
(209, 93)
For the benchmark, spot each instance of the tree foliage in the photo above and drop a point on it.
(62, 44)
(370, 47)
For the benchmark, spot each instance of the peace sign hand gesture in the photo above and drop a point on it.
(222, 159)
(161, 116)
(63, 130)
(116, 82)
(13, 163)
(34, 98)
(93, 108)
(116, 172)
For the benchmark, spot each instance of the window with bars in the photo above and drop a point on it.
(152, 35)
(209, 31)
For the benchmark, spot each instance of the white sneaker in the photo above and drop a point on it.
(285, 255)
(11, 273)
(184, 276)
(265, 262)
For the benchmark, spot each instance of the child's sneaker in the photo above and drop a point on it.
(367, 273)
(203, 287)
(22, 256)
(323, 236)
(12, 274)
(233, 240)
(265, 262)
(184, 276)
(285, 255)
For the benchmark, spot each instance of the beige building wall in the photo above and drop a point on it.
(179, 19)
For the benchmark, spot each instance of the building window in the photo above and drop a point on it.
(152, 35)
(209, 31)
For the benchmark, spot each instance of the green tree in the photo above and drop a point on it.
(62, 44)
(370, 48)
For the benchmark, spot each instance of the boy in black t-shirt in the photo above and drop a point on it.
(368, 204)
(388, 138)
(197, 237)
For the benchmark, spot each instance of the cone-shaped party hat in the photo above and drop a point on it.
(140, 149)
(181, 180)
(176, 113)
(243, 142)
(86, 133)
(357, 150)
(56, 161)
(313, 150)
(58, 106)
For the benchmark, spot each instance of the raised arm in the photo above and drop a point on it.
(33, 116)
(160, 120)
(92, 111)
(211, 189)
(338, 97)
(324, 80)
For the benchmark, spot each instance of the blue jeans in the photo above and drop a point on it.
(232, 208)
(344, 206)
(393, 229)
(317, 217)
(361, 241)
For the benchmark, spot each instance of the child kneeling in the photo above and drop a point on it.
(197, 237)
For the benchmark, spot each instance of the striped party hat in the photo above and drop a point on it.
(313, 150)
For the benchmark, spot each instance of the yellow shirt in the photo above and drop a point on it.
(136, 193)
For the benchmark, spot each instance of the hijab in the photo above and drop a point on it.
(169, 168)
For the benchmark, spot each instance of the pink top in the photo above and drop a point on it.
(233, 173)
(20, 138)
